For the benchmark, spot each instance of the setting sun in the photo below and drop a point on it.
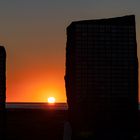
(51, 100)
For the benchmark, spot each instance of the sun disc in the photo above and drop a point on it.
(51, 100)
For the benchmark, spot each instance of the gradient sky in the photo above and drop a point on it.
(34, 35)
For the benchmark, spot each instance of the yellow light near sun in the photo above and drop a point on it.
(51, 100)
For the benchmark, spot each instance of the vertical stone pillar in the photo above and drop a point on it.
(2, 92)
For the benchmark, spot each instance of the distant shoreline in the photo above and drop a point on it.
(37, 105)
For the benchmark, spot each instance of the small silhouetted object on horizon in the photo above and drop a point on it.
(2, 90)
(102, 78)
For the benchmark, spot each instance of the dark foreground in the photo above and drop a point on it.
(35, 124)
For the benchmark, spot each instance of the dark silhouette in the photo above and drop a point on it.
(2, 91)
(102, 79)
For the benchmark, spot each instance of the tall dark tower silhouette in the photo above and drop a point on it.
(2, 90)
(102, 78)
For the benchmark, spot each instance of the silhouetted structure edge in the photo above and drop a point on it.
(74, 32)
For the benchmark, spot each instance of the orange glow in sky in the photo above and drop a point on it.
(34, 35)
(35, 86)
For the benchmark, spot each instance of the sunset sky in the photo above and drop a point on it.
(34, 35)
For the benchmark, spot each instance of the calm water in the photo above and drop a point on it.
(56, 106)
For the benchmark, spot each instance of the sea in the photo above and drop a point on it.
(55, 106)
(21, 105)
